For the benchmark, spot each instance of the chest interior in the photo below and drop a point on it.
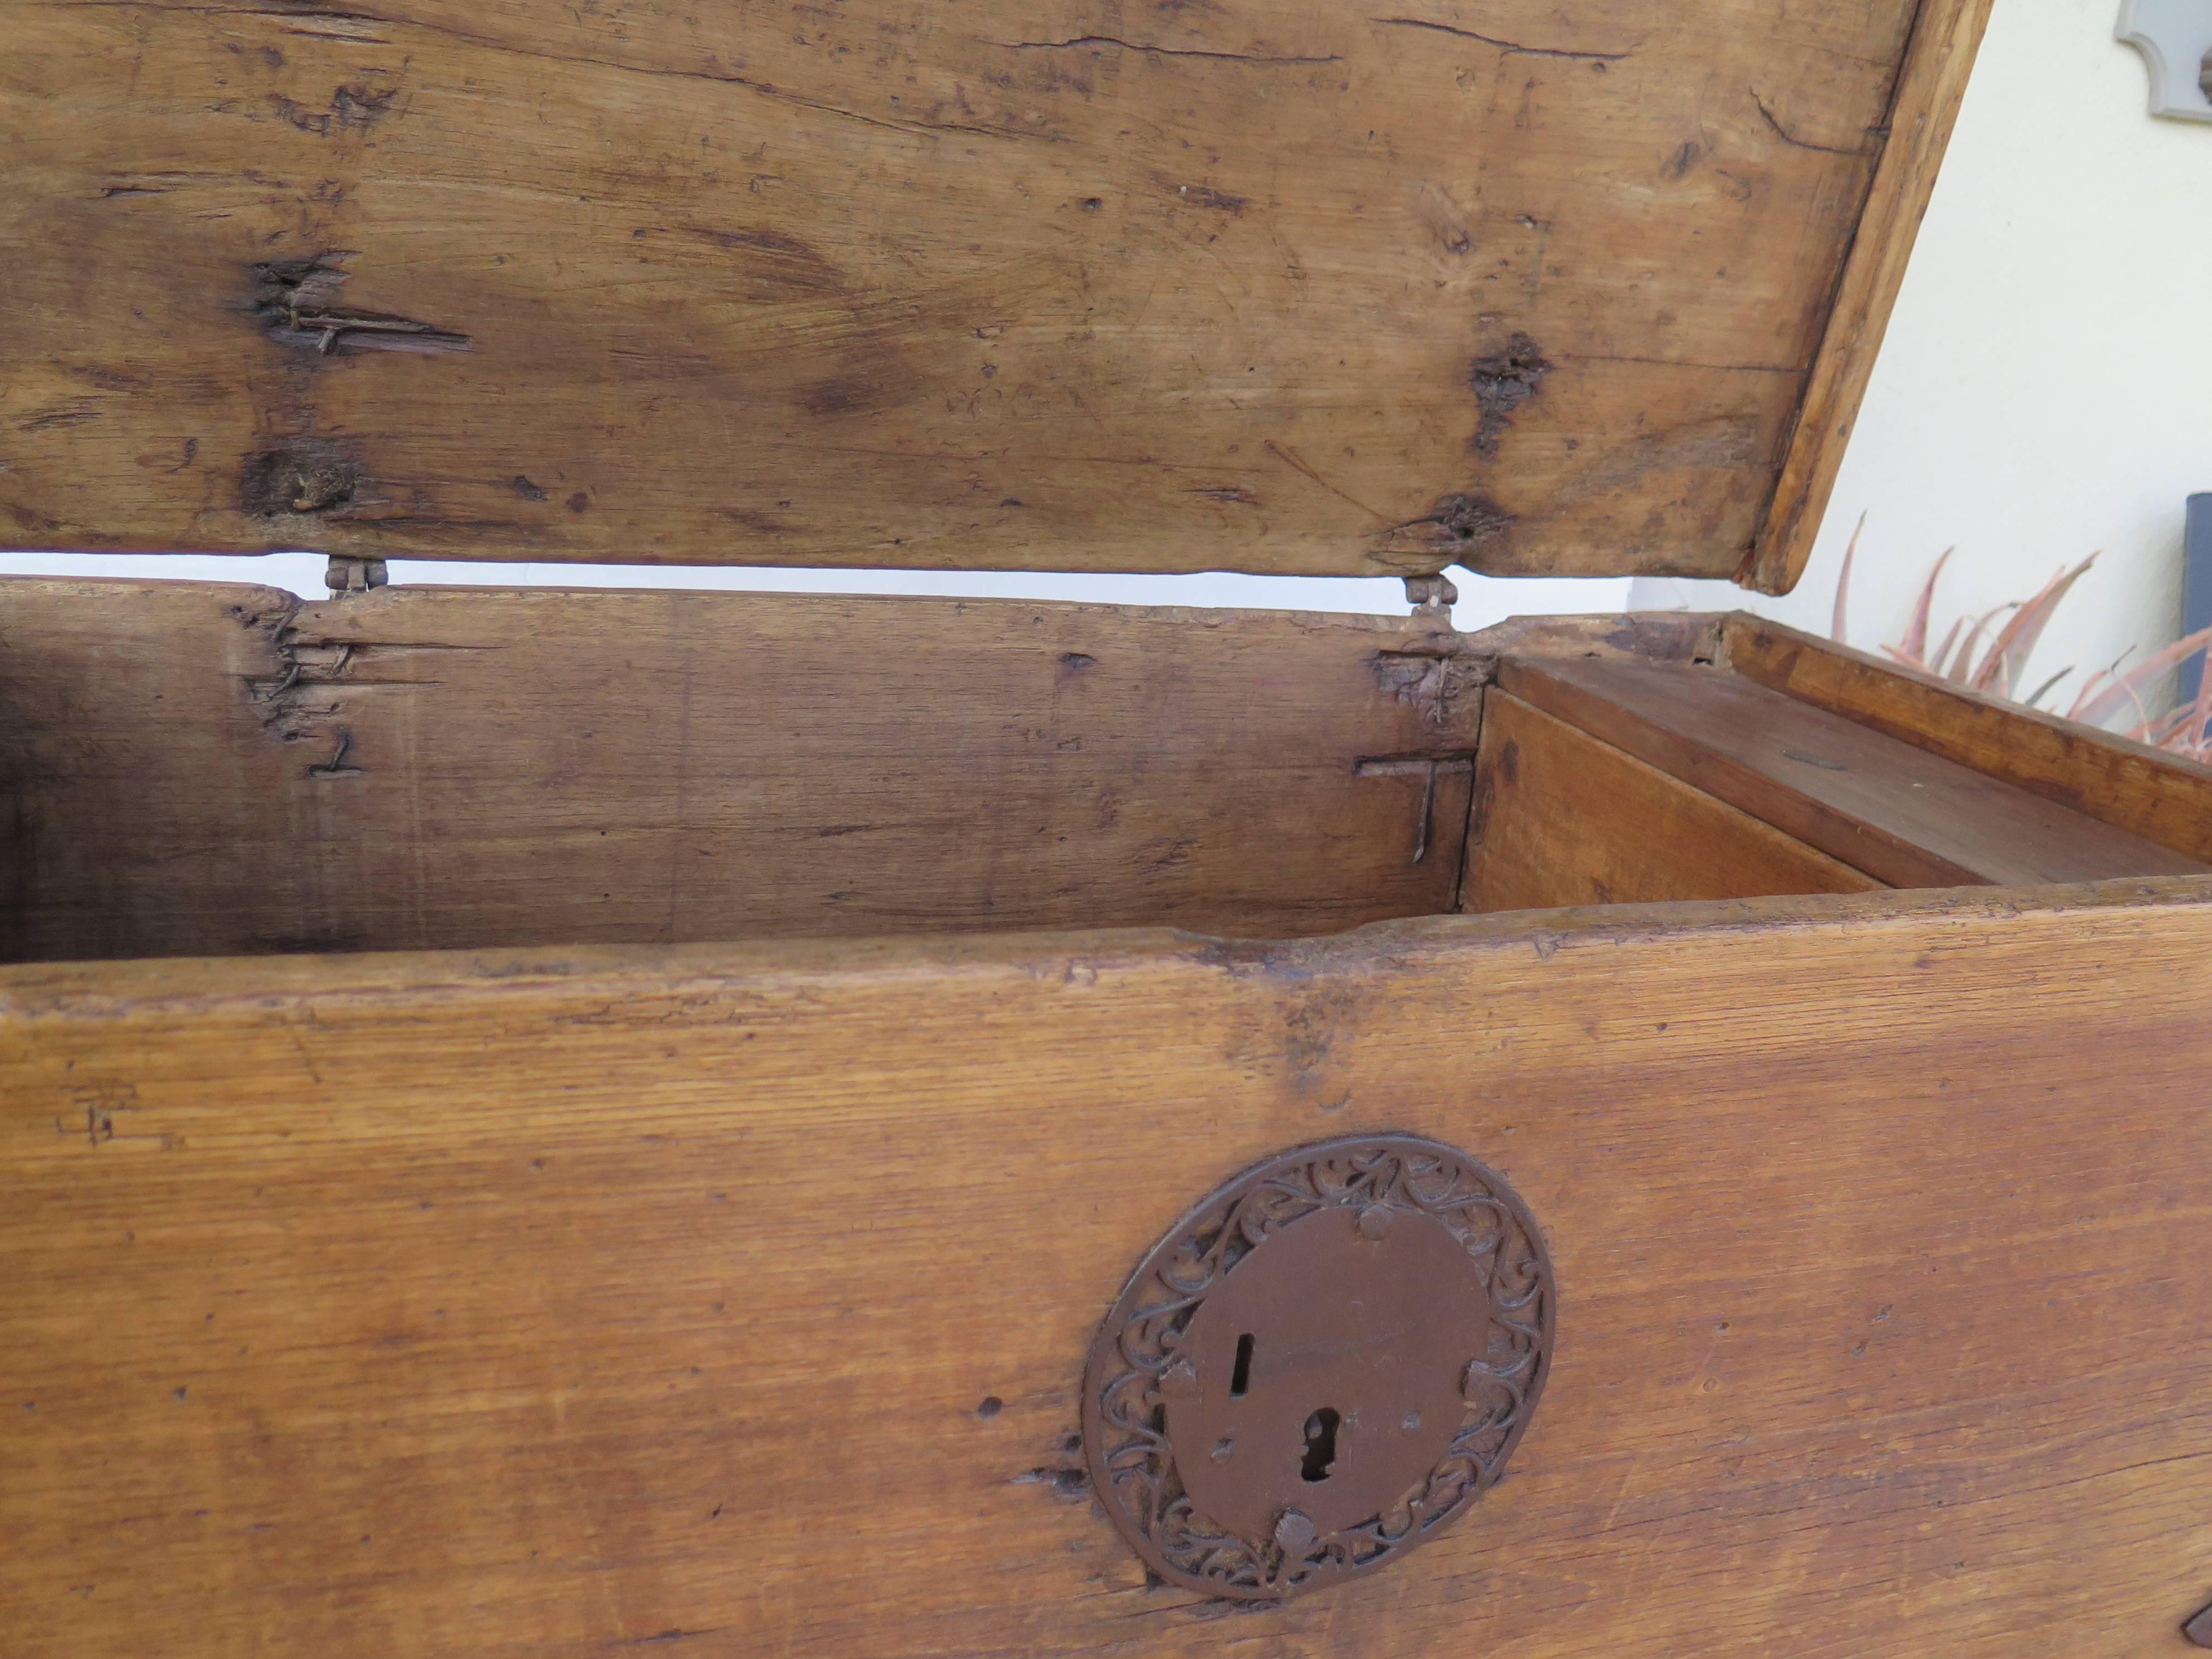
(214, 770)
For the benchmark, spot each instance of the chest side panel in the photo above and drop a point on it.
(557, 1302)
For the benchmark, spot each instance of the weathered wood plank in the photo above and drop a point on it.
(1561, 818)
(1929, 89)
(557, 1302)
(201, 768)
(1268, 286)
(1902, 815)
(2156, 795)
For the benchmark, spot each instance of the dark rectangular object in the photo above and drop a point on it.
(2195, 584)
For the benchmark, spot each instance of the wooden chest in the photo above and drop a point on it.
(561, 1122)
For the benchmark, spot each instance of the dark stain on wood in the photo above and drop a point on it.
(1065, 1473)
(361, 105)
(356, 106)
(1457, 526)
(1503, 380)
(293, 476)
(1473, 521)
(1432, 684)
(1205, 197)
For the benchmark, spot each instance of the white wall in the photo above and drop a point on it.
(2045, 390)
(1482, 600)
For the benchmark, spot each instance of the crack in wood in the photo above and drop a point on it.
(1092, 40)
(1792, 139)
(1510, 48)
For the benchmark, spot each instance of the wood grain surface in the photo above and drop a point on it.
(1932, 85)
(1262, 285)
(1897, 811)
(203, 768)
(1561, 818)
(732, 1302)
(2148, 791)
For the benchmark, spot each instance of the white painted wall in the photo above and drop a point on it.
(2045, 390)
(1482, 600)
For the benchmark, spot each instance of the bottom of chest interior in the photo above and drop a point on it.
(198, 770)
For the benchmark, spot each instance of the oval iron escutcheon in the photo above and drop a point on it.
(1319, 1367)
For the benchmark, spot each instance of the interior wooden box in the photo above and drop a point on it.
(210, 770)
(1273, 288)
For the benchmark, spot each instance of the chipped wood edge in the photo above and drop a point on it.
(1930, 88)
(2097, 773)
(151, 987)
(348, 607)
(1655, 635)
(1650, 635)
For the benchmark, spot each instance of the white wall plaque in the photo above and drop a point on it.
(2175, 39)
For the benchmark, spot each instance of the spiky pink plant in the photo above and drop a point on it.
(2013, 629)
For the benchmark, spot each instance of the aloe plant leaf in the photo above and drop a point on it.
(1835, 625)
(1962, 669)
(2008, 653)
(1936, 666)
(2036, 698)
(2096, 710)
(1915, 631)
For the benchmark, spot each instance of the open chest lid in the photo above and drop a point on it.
(1527, 286)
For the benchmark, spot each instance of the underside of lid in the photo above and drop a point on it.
(1255, 285)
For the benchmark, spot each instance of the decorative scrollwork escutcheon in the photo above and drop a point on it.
(1320, 1367)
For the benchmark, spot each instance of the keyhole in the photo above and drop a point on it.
(1241, 1378)
(1321, 1445)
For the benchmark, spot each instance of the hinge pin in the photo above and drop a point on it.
(354, 575)
(1432, 596)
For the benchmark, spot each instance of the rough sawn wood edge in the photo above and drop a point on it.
(2158, 796)
(31, 993)
(1930, 86)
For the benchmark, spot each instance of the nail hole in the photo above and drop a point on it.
(1241, 1379)
(1321, 1446)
